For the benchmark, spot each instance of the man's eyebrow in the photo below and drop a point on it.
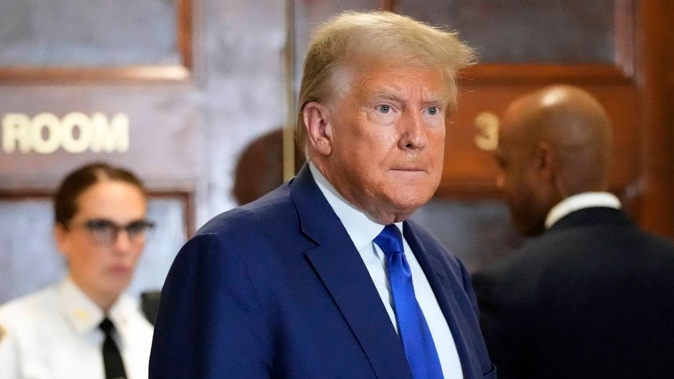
(438, 98)
(384, 93)
(387, 93)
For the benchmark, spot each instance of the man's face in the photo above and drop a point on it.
(517, 177)
(387, 139)
(103, 270)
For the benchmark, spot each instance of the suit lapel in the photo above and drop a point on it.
(344, 275)
(436, 269)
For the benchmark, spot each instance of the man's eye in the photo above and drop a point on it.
(433, 111)
(383, 108)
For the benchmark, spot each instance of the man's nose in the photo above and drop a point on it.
(414, 131)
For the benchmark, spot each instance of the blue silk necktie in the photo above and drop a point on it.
(412, 327)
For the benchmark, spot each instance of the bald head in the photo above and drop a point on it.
(575, 126)
(553, 143)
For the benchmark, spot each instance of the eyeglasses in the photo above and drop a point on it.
(106, 231)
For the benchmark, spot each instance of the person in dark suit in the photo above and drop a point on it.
(589, 295)
(296, 283)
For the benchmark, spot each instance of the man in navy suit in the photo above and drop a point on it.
(292, 285)
(591, 295)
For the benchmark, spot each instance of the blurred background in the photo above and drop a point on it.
(198, 98)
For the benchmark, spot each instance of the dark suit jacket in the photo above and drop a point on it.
(593, 297)
(277, 289)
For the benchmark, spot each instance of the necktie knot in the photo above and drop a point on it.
(107, 326)
(390, 240)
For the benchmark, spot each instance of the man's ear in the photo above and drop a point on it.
(319, 129)
(545, 161)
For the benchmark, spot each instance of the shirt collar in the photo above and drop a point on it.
(581, 201)
(83, 313)
(358, 225)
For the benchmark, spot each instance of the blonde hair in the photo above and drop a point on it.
(379, 36)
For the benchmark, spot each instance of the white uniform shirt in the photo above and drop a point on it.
(363, 231)
(54, 334)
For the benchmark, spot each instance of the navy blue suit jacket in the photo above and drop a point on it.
(592, 297)
(277, 289)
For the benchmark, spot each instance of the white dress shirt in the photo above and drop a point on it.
(363, 231)
(581, 201)
(54, 334)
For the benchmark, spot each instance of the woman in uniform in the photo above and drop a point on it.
(85, 326)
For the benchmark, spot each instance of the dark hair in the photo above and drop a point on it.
(78, 181)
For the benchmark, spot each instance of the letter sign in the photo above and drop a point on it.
(75, 133)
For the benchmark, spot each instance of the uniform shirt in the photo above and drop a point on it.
(363, 231)
(54, 334)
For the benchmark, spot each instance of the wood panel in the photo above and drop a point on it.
(656, 79)
(59, 43)
(525, 31)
